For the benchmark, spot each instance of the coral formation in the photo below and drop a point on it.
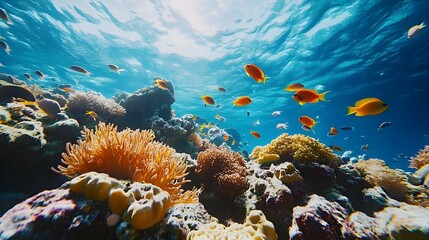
(106, 109)
(128, 155)
(421, 159)
(255, 227)
(93, 185)
(286, 172)
(297, 147)
(223, 171)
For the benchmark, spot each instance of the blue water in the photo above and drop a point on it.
(353, 49)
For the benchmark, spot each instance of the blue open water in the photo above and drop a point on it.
(353, 49)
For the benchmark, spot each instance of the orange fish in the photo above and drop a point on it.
(208, 100)
(308, 96)
(225, 137)
(255, 72)
(161, 83)
(221, 89)
(367, 106)
(307, 121)
(255, 134)
(333, 132)
(68, 89)
(336, 148)
(242, 101)
(294, 87)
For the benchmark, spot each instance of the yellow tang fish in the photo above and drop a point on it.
(92, 114)
(367, 106)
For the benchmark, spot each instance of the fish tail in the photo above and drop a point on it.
(422, 25)
(322, 96)
(265, 79)
(301, 103)
(351, 110)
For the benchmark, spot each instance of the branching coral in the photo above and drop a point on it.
(128, 155)
(297, 147)
(106, 109)
(421, 159)
(223, 171)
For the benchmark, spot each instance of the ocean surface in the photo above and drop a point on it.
(353, 49)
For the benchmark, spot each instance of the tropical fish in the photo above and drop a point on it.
(255, 72)
(282, 126)
(367, 106)
(242, 101)
(208, 100)
(221, 89)
(40, 74)
(303, 96)
(220, 118)
(248, 113)
(92, 114)
(416, 29)
(336, 148)
(116, 68)
(257, 123)
(276, 113)
(346, 138)
(364, 147)
(307, 121)
(194, 117)
(255, 134)
(80, 69)
(347, 128)
(10, 92)
(161, 83)
(5, 46)
(294, 87)
(68, 89)
(307, 128)
(332, 132)
(4, 16)
(226, 137)
(383, 125)
(26, 75)
(233, 142)
(217, 106)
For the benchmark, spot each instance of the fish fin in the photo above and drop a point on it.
(360, 114)
(351, 110)
(422, 25)
(322, 96)
(120, 70)
(301, 103)
(265, 79)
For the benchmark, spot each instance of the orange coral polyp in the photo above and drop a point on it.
(128, 154)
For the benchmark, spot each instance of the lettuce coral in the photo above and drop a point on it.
(297, 147)
(130, 155)
(223, 171)
(421, 159)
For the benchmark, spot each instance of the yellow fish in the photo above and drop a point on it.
(92, 114)
(414, 30)
(367, 106)
(242, 101)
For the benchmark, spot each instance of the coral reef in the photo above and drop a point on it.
(298, 148)
(222, 171)
(128, 154)
(255, 227)
(421, 159)
(106, 109)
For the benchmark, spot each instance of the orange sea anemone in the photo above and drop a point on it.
(128, 154)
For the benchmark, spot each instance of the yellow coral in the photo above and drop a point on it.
(421, 159)
(93, 185)
(130, 155)
(297, 147)
(269, 157)
(286, 172)
(256, 227)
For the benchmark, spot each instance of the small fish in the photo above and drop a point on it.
(217, 106)
(5, 46)
(255, 72)
(116, 68)
(205, 105)
(276, 113)
(303, 96)
(80, 69)
(194, 117)
(416, 29)
(282, 126)
(362, 136)
(68, 89)
(208, 100)
(40, 74)
(347, 128)
(4, 16)
(226, 137)
(336, 148)
(257, 123)
(307, 121)
(332, 132)
(246, 143)
(294, 87)
(242, 101)
(221, 89)
(248, 113)
(346, 138)
(367, 106)
(161, 83)
(307, 128)
(220, 118)
(26, 75)
(383, 125)
(255, 134)
(364, 147)
(92, 114)
(233, 142)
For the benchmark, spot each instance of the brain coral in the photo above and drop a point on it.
(297, 147)
(421, 159)
(223, 171)
(128, 155)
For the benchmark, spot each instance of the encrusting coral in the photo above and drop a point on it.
(296, 147)
(128, 154)
(223, 171)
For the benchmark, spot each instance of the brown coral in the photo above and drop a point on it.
(128, 155)
(223, 171)
(297, 147)
(421, 159)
